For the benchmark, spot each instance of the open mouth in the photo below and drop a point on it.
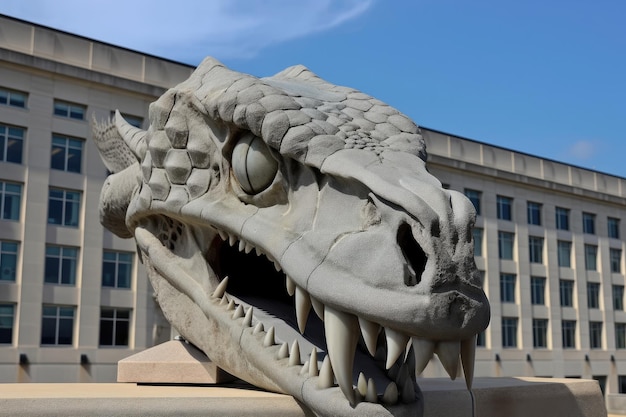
(308, 340)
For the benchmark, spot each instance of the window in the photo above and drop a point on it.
(569, 333)
(504, 207)
(11, 143)
(63, 207)
(116, 269)
(566, 293)
(535, 249)
(538, 290)
(477, 234)
(509, 332)
(563, 253)
(620, 335)
(540, 333)
(562, 218)
(593, 295)
(69, 110)
(534, 213)
(507, 288)
(621, 382)
(505, 245)
(7, 313)
(589, 223)
(60, 265)
(10, 200)
(8, 260)
(57, 325)
(595, 334)
(12, 98)
(613, 226)
(618, 297)
(114, 326)
(474, 197)
(615, 256)
(66, 153)
(481, 339)
(591, 252)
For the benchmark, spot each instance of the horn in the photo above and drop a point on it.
(134, 137)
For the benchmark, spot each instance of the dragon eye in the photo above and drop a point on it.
(253, 165)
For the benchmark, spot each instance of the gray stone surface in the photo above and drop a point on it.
(328, 186)
(493, 397)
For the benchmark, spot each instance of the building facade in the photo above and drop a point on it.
(74, 298)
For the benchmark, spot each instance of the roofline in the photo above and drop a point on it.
(95, 40)
(519, 152)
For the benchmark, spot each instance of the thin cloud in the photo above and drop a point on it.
(582, 150)
(190, 29)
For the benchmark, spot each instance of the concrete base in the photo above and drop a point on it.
(173, 362)
(492, 397)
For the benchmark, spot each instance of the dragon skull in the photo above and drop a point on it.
(365, 264)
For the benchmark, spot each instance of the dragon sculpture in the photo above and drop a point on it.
(364, 265)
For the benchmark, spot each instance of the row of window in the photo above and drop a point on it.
(506, 246)
(504, 211)
(57, 325)
(63, 205)
(568, 334)
(61, 265)
(566, 292)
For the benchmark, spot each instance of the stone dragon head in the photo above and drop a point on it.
(291, 231)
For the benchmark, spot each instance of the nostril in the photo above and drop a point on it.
(413, 254)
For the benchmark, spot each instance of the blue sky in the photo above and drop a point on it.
(542, 77)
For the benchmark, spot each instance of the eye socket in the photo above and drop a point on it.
(253, 165)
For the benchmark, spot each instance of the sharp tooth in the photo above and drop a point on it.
(221, 288)
(303, 307)
(326, 378)
(258, 328)
(408, 391)
(448, 353)
(468, 354)
(371, 396)
(403, 374)
(247, 320)
(369, 330)
(258, 252)
(423, 350)
(305, 368)
(224, 300)
(361, 384)
(277, 267)
(223, 235)
(294, 354)
(283, 351)
(342, 335)
(231, 305)
(313, 371)
(291, 286)
(248, 248)
(238, 312)
(396, 343)
(390, 396)
(242, 245)
(232, 240)
(269, 338)
(318, 307)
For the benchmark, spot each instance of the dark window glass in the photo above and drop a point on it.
(505, 245)
(591, 256)
(535, 249)
(114, 326)
(507, 288)
(10, 200)
(509, 332)
(563, 252)
(477, 234)
(7, 314)
(60, 265)
(566, 292)
(537, 290)
(57, 325)
(595, 334)
(593, 295)
(613, 227)
(66, 154)
(69, 110)
(11, 143)
(63, 207)
(534, 213)
(620, 335)
(504, 207)
(589, 223)
(615, 256)
(618, 297)
(474, 197)
(8, 260)
(562, 218)
(569, 333)
(540, 333)
(116, 269)
(12, 98)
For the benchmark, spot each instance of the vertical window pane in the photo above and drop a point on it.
(535, 249)
(507, 288)
(618, 297)
(114, 326)
(537, 290)
(589, 223)
(616, 260)
(591, 257)
(7, 312)
(595, 334)
(593, 295)
(60, 265)
(563, 252)
(478, 241)
(509, 332)
(474, 197)
(505, 245)
(11, 143)
(8, 261)
(562, 218)
(566, 293)
(540, 333)
(620, 335)
(10, 200)
(63, 207)
(613, 227)
(534, 213)
(569, 333)
(116, 269)
(504, 207)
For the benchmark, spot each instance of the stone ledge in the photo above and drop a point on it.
(173, 362)
(493, 397)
